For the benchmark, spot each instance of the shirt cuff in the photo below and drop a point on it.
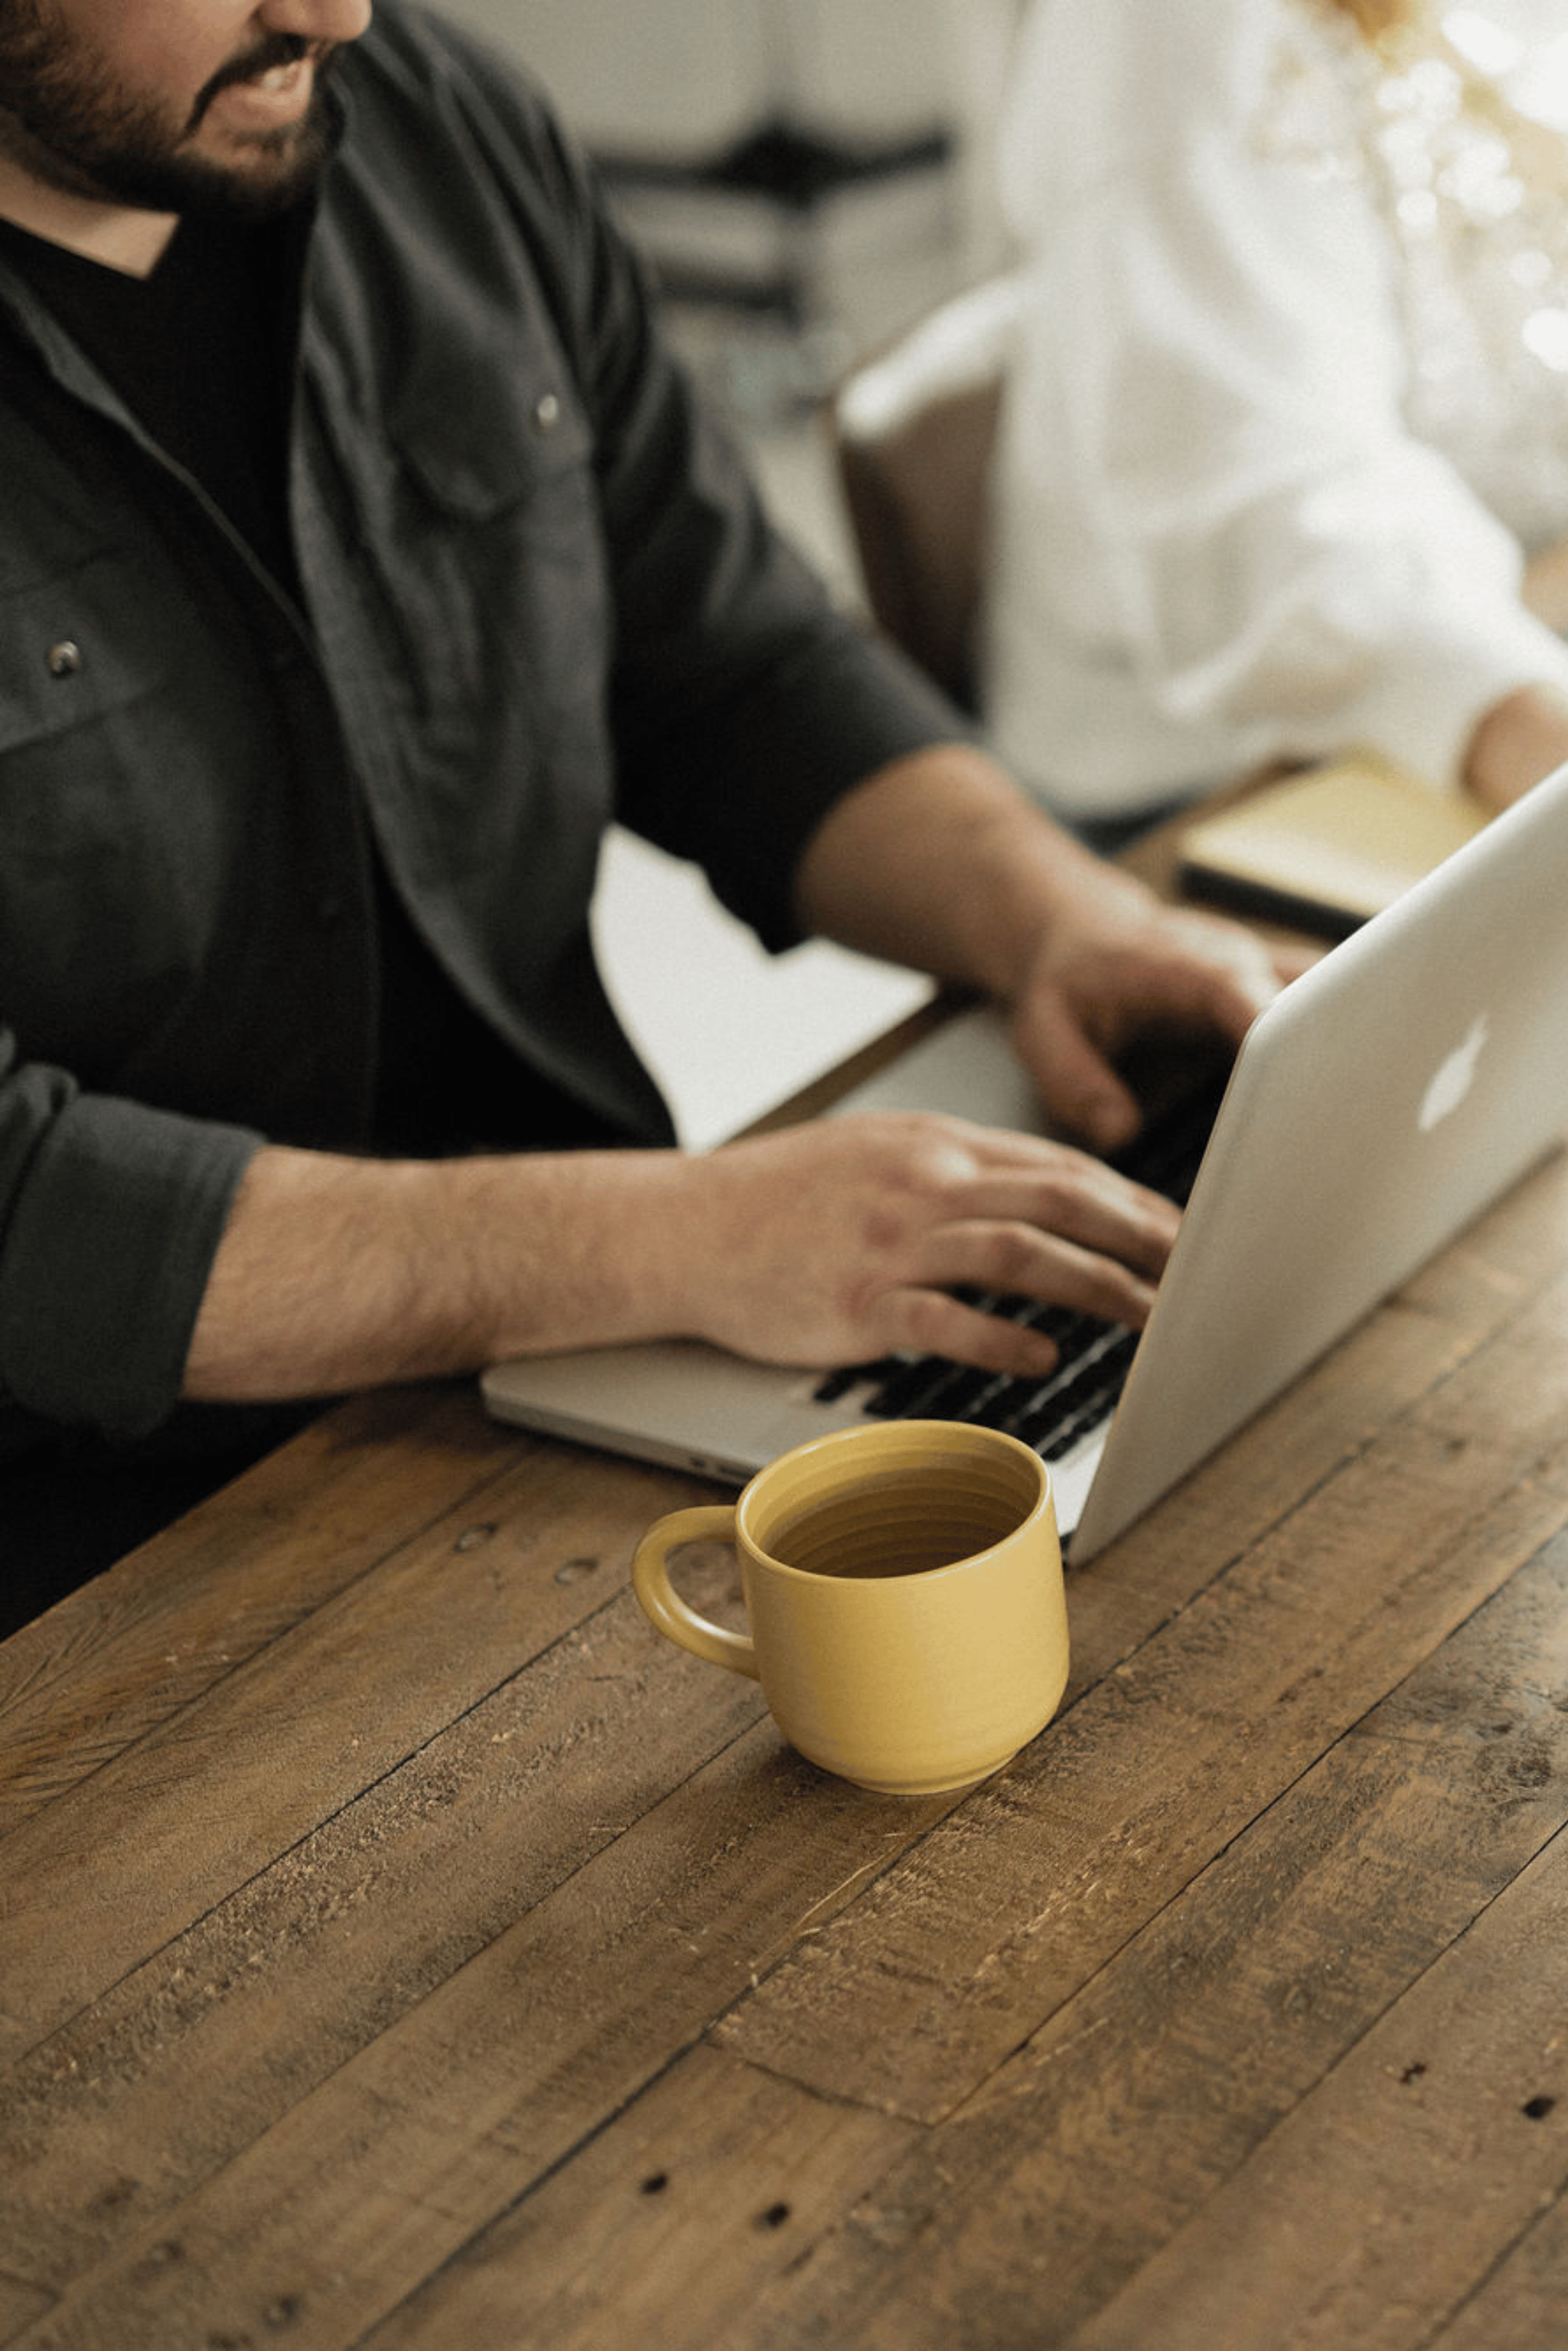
(1424, 708)
(105, 1260)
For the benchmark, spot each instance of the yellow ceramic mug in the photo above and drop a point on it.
(904, 1592)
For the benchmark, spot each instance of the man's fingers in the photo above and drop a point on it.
(847, 1241)
(1172, 965)
(929, 1322)
(1232, 975)
(1001, 1206)
(1099, 1210)
(932, 1322)
(1011, 1260)
(1074, 1076)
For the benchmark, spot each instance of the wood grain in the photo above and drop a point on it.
(124, 1653)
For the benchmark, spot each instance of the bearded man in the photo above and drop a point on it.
(363, 554)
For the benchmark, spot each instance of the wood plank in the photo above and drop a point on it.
(351, 2157)
(321, 2132)
(628, 2228)
(1307, 2093)
(128, 2103)
(20, 2304)
(128, 1650)
(665, 2231)
(1519, 2305)
(1118, 1804)
(164, 1831)
(1003, 2228)
(1394, 2190)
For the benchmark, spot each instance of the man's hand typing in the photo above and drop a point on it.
(841, 1241)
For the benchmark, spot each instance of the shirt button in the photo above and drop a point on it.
(65, 659)
(547, 413)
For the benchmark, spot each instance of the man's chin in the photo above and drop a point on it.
(207, 171)
(253, 178)
(257, 179)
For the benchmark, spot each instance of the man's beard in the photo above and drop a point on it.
(84, 133)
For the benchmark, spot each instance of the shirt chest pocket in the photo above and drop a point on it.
(490, 547)
(106, 825)
(478, 448)
(77, 655)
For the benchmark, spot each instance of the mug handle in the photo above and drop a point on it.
(662, 1605)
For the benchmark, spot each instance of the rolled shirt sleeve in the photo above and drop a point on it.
(112, 1212)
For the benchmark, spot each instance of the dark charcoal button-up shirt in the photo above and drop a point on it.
(536, 593)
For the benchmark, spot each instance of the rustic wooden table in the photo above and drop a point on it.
(402, 1945)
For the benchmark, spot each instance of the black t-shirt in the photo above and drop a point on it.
(202, 351)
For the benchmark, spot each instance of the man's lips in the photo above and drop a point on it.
(275, 80)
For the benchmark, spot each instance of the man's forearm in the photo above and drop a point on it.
(939, 862)
(338, 1273)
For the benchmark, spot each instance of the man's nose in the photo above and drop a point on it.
(316, 20)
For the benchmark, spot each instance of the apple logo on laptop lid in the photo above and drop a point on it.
(1454, 1076)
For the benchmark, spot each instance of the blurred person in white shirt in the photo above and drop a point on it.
(1283, 462)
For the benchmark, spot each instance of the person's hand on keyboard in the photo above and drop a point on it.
(940, 862)
(838, 1241)
(1115, 962)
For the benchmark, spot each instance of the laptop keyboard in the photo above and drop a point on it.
(1054, 1414)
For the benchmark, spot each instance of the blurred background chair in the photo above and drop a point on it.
(912, 430)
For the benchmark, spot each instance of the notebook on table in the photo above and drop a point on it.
(1329, 848)
(1374, 1109)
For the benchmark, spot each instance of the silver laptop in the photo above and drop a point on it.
(1374, 1109)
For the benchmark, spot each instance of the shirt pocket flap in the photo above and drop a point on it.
(71, 650)
(476, 456)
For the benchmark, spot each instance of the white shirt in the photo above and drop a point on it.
(1287, 409)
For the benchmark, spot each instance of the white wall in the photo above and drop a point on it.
(687, 77)
(690, 74)
(635, 72)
